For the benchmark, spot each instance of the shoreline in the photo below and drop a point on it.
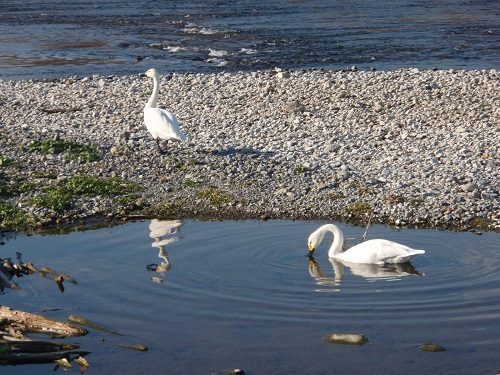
(405, 147)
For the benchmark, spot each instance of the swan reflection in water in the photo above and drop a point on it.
(158, 230)
(371, 272)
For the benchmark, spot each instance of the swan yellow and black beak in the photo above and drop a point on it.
(311, 251)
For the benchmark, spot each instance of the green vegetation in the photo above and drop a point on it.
(170, 207)
(10, 186)
(416, 201)
(365, 191)
(13, 218)
(190, 182)
(174, 163)
(54, 198)
(359, 209)
(5, 187)
(93, 186)
(216, 197)
(300, 169)
(14, 185)
(73, 149)
(127, 200)
(58, 198)
(8, 162)
(333, 196)
(49, 175)
(5, 160)
(395, 199)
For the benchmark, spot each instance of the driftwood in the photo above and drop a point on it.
(49, 270)
(32, 323)
(85, 322)
(26, 351)
(6, 280)
(141, 348)
(36, 346)
(38, 358)
(16, 349)
(9, 270)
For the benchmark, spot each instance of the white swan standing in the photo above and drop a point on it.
(368, 252)
(160, 123)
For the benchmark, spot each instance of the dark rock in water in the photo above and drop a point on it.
(432, 348)
(346, 339)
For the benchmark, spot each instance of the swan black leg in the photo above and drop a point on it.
(163, 152)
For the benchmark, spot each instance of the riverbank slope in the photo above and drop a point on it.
(406, 147)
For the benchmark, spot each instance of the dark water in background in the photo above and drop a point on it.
(244, 295)
(44, 38)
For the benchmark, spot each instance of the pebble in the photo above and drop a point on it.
(418, 147)
(470, 187)
(346, 339)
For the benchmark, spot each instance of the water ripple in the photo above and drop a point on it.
(290, 34)
(268, 277)
(248, 287)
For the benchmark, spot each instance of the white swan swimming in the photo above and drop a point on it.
(368, 252)
(160, 123)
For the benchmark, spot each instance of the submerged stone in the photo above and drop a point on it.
(346, 339)
(432, 348)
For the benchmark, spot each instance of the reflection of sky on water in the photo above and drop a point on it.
(240, 294)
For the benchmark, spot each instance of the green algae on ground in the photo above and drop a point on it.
(359, 209)
(215, 197)
(59, 197)
(73, 149)
(14, 218)
(5, 161)
(189, 182)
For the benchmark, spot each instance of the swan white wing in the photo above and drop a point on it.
(379, 252)
(162, 124)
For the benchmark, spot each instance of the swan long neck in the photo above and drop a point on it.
(338, 240)
(153, 100)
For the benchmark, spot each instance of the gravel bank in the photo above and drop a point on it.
(412, 147)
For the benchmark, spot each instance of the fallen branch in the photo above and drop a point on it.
(37, 358)
(85, 322)
(35, 346)
(16, 349)
(27, 322)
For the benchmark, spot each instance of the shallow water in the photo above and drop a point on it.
(54, 38)
(244, 295)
